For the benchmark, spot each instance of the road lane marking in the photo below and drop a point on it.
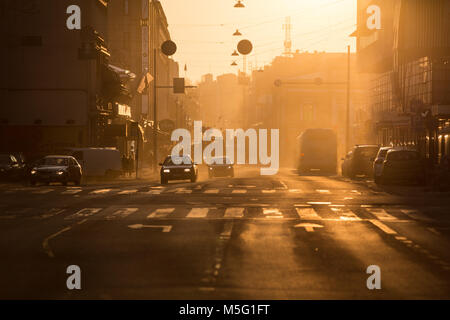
(86, 212)
(323, 191)
(381, 214)
(269, 191)
(121, 213)
(72, 191)
(416, 215)
(307, 214)
(241, 191)
(295, 191)
(50, 213)
(161, 213)
(131, 191)
(142, 226)
(272, 213)
(346, 214)
(210, 191)
(153, 192)
(45, 243)
(198, 213)
(182, 191)
(234, 213)
(309, 227)
(43, 191)
(382, 226)
(319, 202)
(101, 191)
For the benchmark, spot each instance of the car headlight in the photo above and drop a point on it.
(187, 170)
(60, 172)
(33, 171)
(229, 167)
(210, 168)
(166, 171)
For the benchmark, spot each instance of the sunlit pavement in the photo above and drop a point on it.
(250, 237)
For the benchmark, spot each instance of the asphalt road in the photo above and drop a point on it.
(248, 237)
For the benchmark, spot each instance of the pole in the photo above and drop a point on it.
(155, 133)
(347, 126)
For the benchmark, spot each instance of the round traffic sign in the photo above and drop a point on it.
(169, 48)
(245, 47)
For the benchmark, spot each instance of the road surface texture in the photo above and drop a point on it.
(249, 237)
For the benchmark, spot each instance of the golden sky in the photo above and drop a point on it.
(203, 30)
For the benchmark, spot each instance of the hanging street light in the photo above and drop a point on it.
(235, 54)
(234, 64)
(239, 4)
(237, 33)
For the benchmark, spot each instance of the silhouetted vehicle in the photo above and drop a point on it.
(10, 168)
(178, 168)
(221, 167)
(63, 169)
(317, 151)
(98, 162)
(403, 166)
(359, 161)
(378, 163)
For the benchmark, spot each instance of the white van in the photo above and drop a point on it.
(98, 162)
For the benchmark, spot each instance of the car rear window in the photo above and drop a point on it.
(402, 156)
(367, 152)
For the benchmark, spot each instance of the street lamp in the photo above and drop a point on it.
(234, 64)
(239, 4)
(237, 33)
(235, 54)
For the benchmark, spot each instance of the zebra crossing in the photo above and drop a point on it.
(304, 211)
(154, 191)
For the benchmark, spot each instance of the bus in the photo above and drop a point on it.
(317, 151)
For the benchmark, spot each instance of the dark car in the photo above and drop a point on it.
(10, 167)
(178, 168)
(221, 167)
(63, 169)
(403, 166)
(359, 161)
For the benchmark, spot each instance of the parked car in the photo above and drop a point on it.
(403, 166)
(63, 169)
(359, 161)
(98, 162)
(220, 167)
(178, 168)
(10, 167)
(378, 163)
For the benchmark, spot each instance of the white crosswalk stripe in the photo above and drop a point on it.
(161, 213)
(272, 213)
(121, 213)
(128, 191)
(381, 214)
(416, 215)
(43, 191)
(269, 191)
(345, 214)
(198, 213)
(101, 191)
(72, 191)
(211, 191)
(234, 212)
(307, 214)
(239, 191)
(84, 213)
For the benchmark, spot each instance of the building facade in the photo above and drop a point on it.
(409, 56)
(58, 88)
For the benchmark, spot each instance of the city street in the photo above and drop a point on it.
(250, 237)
